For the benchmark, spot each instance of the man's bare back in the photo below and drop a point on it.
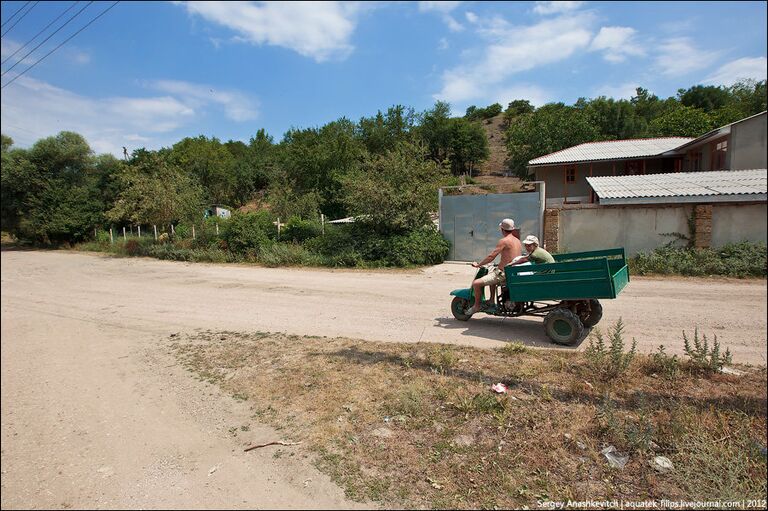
(509, 247)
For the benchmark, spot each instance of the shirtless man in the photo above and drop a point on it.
(509, 247)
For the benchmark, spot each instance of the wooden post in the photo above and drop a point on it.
(124, 238)
(94, 233)
(139, 229)
(278, 228)
(155, 227)
(193, 231)
(111, 238)
(131, 226)
(173, 231)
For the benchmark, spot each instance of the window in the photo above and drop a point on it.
(719, 153)
(570, 174)
(695, 160)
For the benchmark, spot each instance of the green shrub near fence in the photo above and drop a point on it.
(743, 259)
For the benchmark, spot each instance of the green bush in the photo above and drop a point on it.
(743, 259)
(356, 245)
(299, 231)
(285, 254)
(248, 232)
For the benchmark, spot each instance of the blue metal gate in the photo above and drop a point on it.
(471, 222)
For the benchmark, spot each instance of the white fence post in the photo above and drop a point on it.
(193, 231)
(173, 231)
(322, 222)
(139, 229)
(278, 228)
(124, 238)
(217, 229)
(111, 239)
(155, 227)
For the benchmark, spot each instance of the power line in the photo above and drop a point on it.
(21, 18)
(60, 45)
(46, 39)
(38, 34)
(15, 13)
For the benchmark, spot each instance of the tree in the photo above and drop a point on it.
(549, 129)
(468, 146)
(16, 175)
(681, 122)
(614, 120)
(318, 159)
(155, 191)
(209, 161)
(435, 130)
(61, 201)
(394, 192)
(706, 98)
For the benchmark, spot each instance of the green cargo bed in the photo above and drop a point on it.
(574, 276)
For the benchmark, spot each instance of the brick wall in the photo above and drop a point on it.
(551, 230)
(702, 215)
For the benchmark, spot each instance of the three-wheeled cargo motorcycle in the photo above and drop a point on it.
(566, 293)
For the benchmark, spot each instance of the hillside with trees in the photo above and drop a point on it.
(383, 169)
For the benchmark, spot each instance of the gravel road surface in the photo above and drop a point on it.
(96, 413)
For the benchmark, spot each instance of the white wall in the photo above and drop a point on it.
(734, 223)
(642, 229)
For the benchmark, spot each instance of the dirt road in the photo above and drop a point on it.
(95, 413)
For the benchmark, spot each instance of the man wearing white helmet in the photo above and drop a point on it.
(536, 254)
(509, 247)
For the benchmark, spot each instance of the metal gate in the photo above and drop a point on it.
(471, 222)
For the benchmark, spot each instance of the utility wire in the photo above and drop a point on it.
(21, 18)
(15, 13)
(46, 39)
(38, 34)
(102, 13)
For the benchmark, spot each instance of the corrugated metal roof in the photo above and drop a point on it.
(724, 185)
(612, 150)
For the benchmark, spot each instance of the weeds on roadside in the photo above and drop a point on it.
(662, 364)
(609, 361)
(513, 348)
(702, 358)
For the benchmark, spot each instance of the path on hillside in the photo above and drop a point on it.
(96, 414)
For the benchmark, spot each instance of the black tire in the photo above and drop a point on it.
(458, 306)
(595, 314)
(563, 327)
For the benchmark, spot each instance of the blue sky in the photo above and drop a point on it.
(147, 74)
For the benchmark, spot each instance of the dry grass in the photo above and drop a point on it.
(416, 425)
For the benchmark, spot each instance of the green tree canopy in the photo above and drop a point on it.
(549, 129)
(394, 192)
(683, 121)
(155, 191)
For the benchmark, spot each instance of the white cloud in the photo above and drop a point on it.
(732, 72)
(442, 44)
(445, 9)
(679, 57)
(557, 7)
(471, 17)
(319, 30)
(616, 43)
(8, 47)
(533, 93)
(32, 109)
(237, 106)
(513, 50)
(622, 91)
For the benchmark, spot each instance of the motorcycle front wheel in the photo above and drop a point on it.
(458, 307)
